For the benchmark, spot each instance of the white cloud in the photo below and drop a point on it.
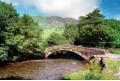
(117, 17)
(15, 3)
(65, 8)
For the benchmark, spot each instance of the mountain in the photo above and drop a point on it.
(53, 21)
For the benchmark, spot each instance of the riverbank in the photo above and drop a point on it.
(112, 72)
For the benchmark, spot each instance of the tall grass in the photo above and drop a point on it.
(84, 76)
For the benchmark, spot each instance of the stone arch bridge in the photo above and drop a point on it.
(84, 52)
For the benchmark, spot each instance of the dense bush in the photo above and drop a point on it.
(56, 39)
(71, 33)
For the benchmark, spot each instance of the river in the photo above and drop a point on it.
(51, 69)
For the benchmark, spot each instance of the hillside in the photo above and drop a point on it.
(53, 21)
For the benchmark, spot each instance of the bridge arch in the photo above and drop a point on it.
(66, 54)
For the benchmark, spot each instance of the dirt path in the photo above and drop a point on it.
(114, 56)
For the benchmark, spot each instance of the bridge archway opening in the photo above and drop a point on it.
(65, 55)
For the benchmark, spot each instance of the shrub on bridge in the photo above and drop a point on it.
(54, 49)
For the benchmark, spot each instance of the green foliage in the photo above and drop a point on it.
(8, 19)
(113, 65)
(29, 38)
(94, 32)
(15, 58)
(94, 18)
(48, 31)
(54, 49)
(116, 51)
(55, 39)
(92, 76)
(84, 76)
(115, 24)
(21, 35)
(101, 36)
(3, 54)
(8, 28)
(71, 33)
(66, 77)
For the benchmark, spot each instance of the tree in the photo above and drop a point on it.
(94, 32)
(29, 40)
(8, 20)
(101, 36)
(115, 24)
(8, 29)
(71, 33)
(55, 39)
(94, 18)
(20, 36)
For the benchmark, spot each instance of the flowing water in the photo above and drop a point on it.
(51, 69)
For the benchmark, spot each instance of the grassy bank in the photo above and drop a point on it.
(107, 74)
(116, 51)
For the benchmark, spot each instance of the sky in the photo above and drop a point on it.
(66, 8)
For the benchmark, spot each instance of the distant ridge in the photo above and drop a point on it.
(53, 21)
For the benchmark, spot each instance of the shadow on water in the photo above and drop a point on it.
(14, 78)
(66, 55)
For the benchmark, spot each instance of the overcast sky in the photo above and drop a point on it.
(66, 8)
